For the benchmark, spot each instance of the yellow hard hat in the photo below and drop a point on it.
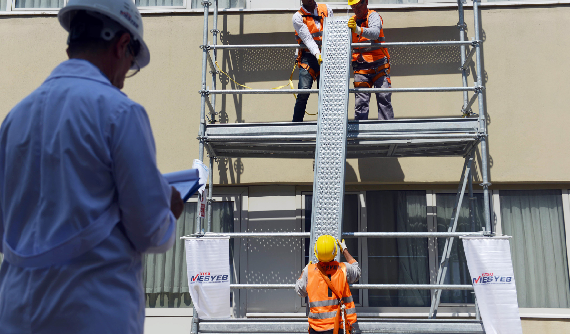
(325, 248)
(353, 2)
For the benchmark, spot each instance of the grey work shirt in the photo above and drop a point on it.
(352, 275)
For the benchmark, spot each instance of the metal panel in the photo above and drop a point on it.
(284, 325)
(330, 156)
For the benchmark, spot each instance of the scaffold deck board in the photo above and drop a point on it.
(394, 138)
(392, 326)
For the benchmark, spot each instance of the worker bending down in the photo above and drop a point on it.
(309, 24)
(371, 66)
(326, 283)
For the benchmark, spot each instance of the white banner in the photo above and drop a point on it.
(208, 264)
(491, 269)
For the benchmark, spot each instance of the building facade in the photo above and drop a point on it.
(525, 49)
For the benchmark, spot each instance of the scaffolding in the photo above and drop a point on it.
(394, 138)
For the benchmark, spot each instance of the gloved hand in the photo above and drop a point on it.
(320, 60)
(353, 26)
(341, 244)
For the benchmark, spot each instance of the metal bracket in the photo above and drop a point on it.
(204, 92)
(485, 184)
(467, 112)
(207, 47)
(215, 72)
(479, 89)
(213, 113)
(206, 3)
(464, 25)
(215, 31)
(475, 43)
(211, 200)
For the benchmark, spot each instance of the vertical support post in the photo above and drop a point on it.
(482, 119)
(214, 84)
(215, 32)
(471, 202)
(202, 132)
(210, 194)
(462, 27)
(442, 271)
(204, 94)
(195, 322)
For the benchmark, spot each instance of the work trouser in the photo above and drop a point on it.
(384, 100)
(305, 82)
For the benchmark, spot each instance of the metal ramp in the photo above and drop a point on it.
(395, 138)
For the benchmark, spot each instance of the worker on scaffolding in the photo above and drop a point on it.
(371, 66)
(309, 24)
(326, 284)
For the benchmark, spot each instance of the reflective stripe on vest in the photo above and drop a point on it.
(323, 303)
(369, 55)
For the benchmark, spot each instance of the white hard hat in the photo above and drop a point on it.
(123, 12)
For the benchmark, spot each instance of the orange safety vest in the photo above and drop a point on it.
(371, 55)
(323, 303)
(316, 33)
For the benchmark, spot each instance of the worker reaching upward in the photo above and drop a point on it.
(371, 66)
(326, 284)
(309, 24)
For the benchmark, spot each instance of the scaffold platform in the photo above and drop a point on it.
(394, 138)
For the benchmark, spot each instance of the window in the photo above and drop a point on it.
(221, 4)
(165, 275)
(38, 4)
(457, 271)
(163, 3)
(538, 248)
(398, 260)
(3, 5)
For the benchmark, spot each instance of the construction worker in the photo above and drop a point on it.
(371, 66)
(81, 197)
(326, 284)
(309, 24)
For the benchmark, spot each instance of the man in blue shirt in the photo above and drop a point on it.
(81, 197)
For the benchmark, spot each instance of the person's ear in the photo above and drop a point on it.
(122, 45)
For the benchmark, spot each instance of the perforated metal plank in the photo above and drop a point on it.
(330, 152)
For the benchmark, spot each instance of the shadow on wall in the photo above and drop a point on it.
(375, 170)
(257, 65)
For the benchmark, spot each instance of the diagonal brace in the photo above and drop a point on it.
(442, 271)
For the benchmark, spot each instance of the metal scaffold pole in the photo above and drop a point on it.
(462, 27)
(202, 132)
(215, 32)
(482, 120)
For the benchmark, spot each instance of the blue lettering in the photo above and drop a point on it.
(509, 279)
(201, 278)
(497, 278)
(224, 277)
(502, 279)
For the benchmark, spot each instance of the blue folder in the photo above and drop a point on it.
(187, 182)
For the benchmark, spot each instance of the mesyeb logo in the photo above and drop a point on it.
(207, 277)
(490, 278)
